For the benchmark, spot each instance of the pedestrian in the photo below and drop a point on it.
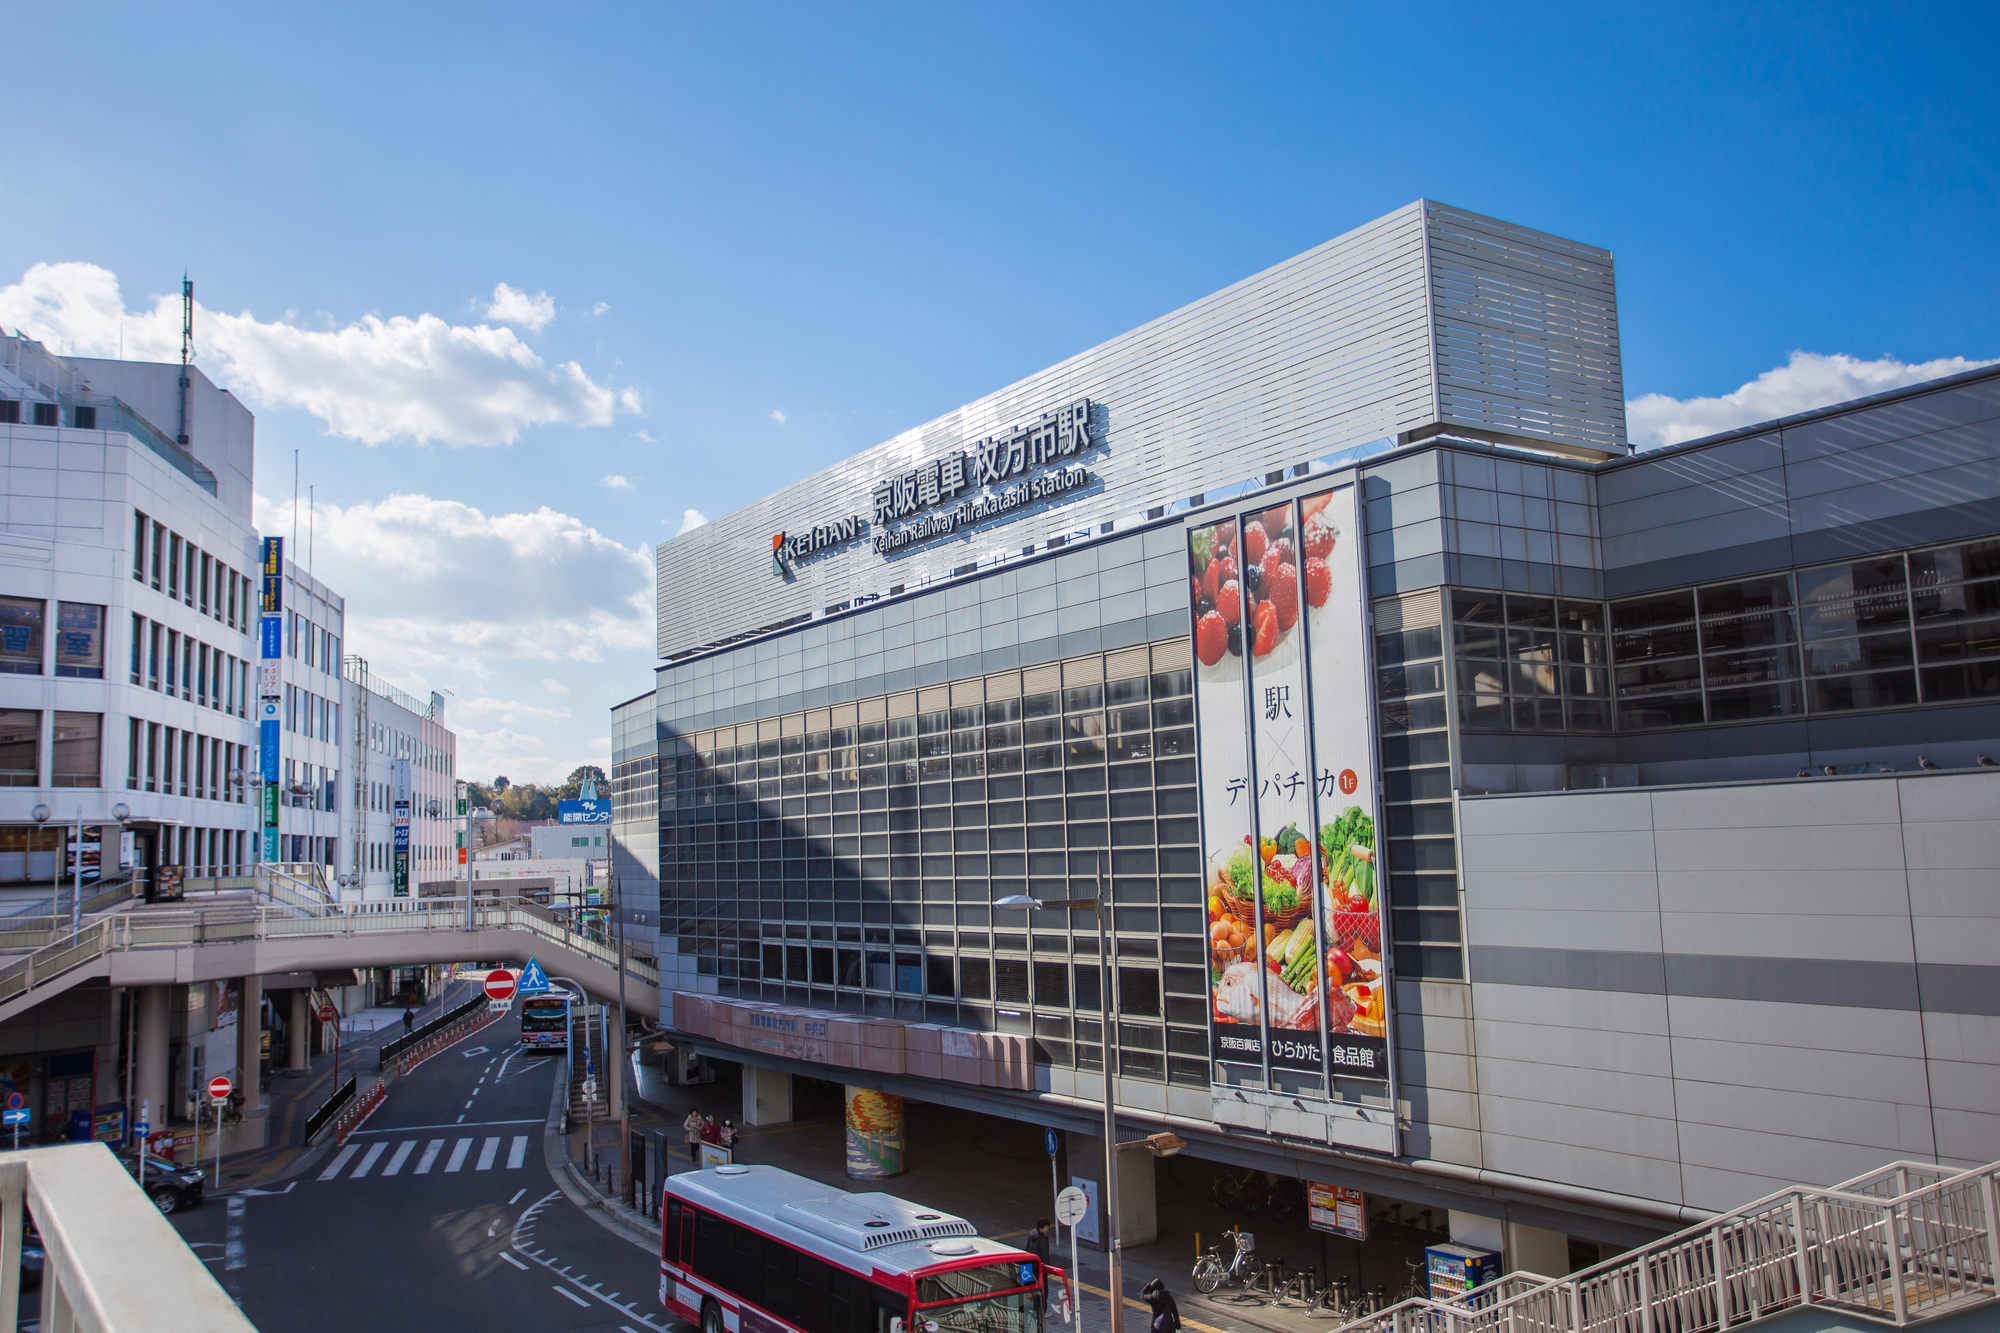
(1037, 1243)
(1166, 1312)
(710, 1131)
(409, 1020)
(728, 1135)
(691, 1131)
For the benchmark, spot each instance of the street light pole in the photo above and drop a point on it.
(1107, 1002)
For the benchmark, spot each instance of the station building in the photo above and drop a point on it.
(1635, 812)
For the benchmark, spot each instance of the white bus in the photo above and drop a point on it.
(753, 1249)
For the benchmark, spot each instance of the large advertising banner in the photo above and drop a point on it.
(1348, 893)
(1235, 916)
(1282, 708)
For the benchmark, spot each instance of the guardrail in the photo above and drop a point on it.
(329, 1108)
(112, 1263)
(416, 1037)
(62, 951)
(1900, 1245)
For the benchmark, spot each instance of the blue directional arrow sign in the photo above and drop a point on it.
(19, 1117)
(533, 981)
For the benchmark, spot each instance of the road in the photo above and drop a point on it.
(440, 1212)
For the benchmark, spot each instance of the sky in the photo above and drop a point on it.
(529, 290)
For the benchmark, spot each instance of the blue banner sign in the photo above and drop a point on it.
(273, 637)
(402, 837)
(267, 749)
(583, 812)
(274, 577)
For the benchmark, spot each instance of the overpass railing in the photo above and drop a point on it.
(111, 1262)
(64, 951)
(1900, 1245)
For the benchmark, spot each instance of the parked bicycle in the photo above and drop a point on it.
(1241, 1269)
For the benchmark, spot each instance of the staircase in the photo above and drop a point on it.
(1903, 1245)
(586, 1031)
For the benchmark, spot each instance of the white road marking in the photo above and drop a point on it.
(430, 1156)
(517, 1154)
(412, 1129)
(403, 1151)
(512, 1260)
(458, 1152)
(374, 1155)
(568, 1294)
(340, 1161)
(517, 1193)
(525, 1227)
(487, 1152)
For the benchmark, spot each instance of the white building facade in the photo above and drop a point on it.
(400, 751)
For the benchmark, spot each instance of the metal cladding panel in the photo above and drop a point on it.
(1527, 332)
(1328, 350)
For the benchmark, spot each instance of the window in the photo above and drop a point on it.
(152, 756)
(1955, 595)
(80, 640)
(135, 745)
(83, 417)
(48, 414)
(188, 580)
(10, 411)
(158, 558)
(1522, 663)
(139, 522)
(138, 650)
(207, 579)
(21, 635)
(174, 565)
(20, 747)
(77, 750)
(153, 656)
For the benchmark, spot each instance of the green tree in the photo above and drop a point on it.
(501, 784)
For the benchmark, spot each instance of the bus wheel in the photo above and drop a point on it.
(711, 1317)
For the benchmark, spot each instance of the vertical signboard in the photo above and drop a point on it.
(399, 783)
(1283, 709)
(1349, 896)
(271, 638)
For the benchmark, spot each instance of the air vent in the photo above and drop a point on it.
(873, 1221)
(732, 1170)
(951, 1247)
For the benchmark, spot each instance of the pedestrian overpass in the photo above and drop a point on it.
(284, 930)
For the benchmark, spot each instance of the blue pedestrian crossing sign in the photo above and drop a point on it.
(534, 981)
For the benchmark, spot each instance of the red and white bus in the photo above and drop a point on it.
(753, 1249)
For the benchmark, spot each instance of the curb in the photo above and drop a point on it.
(1241, 1315)
(356, 1115)
(578, 1188)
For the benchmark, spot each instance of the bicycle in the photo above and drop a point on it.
(1419, 1287)
(1242, 1269)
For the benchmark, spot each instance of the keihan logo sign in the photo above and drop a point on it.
(940, 482)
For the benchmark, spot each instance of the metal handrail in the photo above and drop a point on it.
(109, 1258)
(65, 951)
(1899, 1245)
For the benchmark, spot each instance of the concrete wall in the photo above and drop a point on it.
(1700, 995)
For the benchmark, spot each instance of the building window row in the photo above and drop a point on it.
(178, 567)
(311, 715)
(181, 666)
(176, 762)
(315, 645)
(1896, 631)
(847, 857)
(75, 749)
(79, 638)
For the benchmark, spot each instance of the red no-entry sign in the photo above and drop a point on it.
(500, 985)
(219, 1088)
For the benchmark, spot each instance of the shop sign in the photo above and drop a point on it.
(274, 582)
(1336, 1209)
(583, 812)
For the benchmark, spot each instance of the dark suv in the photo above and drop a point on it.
(170, 1186)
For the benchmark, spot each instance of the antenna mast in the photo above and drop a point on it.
(187, 350)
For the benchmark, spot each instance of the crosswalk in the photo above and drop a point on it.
(399, 1155)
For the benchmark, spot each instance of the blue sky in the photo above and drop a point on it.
(767, 236)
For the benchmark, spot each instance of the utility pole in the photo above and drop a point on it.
(615, 1049)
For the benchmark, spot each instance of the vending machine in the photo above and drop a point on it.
(1454, 1270)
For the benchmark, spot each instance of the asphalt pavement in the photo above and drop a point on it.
(441, 1211)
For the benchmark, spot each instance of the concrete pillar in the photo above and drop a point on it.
(301, 1036)
(1537, 1250)
(249, 1043)
(767, 1097)
(150, 1056)
(1138, 1206)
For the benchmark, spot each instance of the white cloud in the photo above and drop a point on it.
(507, 710)
(618, 482)
(374, 380)
(554, 686)
(690, 520)
(778, 416)
(600, 307)
(1809, 380)
(514, 306)
(644, 435)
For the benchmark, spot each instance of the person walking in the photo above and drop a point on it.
(691, 1131)
(1166, 1311)
(1037, 1243)
(710, 1131)
(409, 1020)
(727, 1137)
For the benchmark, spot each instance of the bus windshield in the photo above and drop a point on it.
(544, 1015)
(968, 1300)
(1015, 1312)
